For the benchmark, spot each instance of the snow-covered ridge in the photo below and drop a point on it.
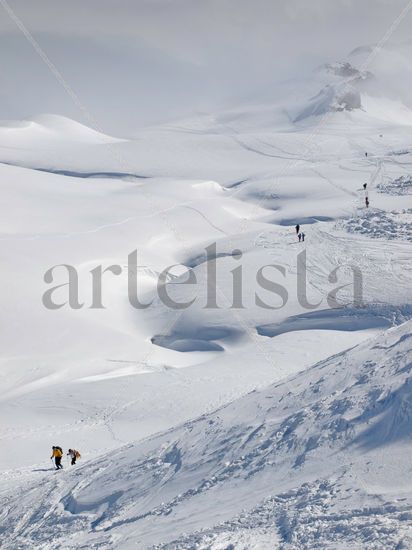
(331, 99)
(341, 91)
(343, 85)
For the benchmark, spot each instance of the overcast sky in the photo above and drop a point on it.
(138, 62)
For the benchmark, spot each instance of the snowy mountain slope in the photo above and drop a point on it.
(109, 351)
(320, 457)
(156, 216)
(103, 380)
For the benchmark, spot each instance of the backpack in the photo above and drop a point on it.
(58, 452)
(77, 454)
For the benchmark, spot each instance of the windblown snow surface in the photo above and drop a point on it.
(240, 426)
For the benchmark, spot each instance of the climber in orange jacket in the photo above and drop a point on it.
(57, 453)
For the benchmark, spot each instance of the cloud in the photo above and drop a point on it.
(134, 62)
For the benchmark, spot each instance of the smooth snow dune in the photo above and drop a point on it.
(388, 110)
(46, 129)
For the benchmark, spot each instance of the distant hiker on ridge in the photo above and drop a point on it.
(367, 202)
(57, 453)
(303, 236)
(365, 185)
(300, 236)
(297, 227)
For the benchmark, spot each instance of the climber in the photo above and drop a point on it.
(57, 453)
(74, 455)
